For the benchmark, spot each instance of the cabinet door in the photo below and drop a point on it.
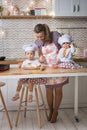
(81, 8)
(70, 7)
(64, 7)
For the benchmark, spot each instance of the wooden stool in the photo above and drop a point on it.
(3, 102)
(37, 89)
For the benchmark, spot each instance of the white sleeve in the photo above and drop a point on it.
(59, 54)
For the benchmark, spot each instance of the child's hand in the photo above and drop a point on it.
(58, 61)
(19, 64)
(42, 59)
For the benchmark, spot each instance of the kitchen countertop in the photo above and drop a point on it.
(17, 60)
(11, 61)
(48, 72)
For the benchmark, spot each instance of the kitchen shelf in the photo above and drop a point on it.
(26, 17)
(40, 17)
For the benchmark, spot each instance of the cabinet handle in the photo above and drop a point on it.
(78, 8)
(74, 8)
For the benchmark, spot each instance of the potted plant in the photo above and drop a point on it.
(1, 9)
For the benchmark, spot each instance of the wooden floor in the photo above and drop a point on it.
(65, 121)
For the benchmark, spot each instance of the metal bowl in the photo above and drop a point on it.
(4, 67)
(2, 58)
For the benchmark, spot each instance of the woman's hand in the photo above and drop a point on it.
(42, 68)
(42, 59)
(54, 66)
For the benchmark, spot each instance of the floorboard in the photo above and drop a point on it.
(65, 120)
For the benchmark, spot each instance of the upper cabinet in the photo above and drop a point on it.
(70, 7)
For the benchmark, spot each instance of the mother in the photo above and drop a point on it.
(44, 35)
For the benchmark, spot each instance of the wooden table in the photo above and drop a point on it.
(48, 72)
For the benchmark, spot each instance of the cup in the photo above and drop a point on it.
(85, 53)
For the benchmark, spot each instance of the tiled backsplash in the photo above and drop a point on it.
(20, 31)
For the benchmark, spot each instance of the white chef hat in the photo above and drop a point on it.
(30, 47)
(65, 38)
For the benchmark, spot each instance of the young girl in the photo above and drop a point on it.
(64, 58)
(30, 62)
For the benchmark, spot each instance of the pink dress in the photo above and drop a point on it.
(69, 65)
(50, 52)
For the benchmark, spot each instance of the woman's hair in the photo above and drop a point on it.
(45, 29)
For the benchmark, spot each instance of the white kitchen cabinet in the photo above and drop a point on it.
(68, 94)
(70, 8)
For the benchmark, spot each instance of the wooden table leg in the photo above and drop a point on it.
(76, 99)
(37, 106)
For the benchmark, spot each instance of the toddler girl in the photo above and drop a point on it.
(30, 62)
(64, 58)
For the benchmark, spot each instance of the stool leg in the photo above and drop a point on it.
(37, 107)
(41, 94)
(19, 108)
(25, 109)
(5, 109)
